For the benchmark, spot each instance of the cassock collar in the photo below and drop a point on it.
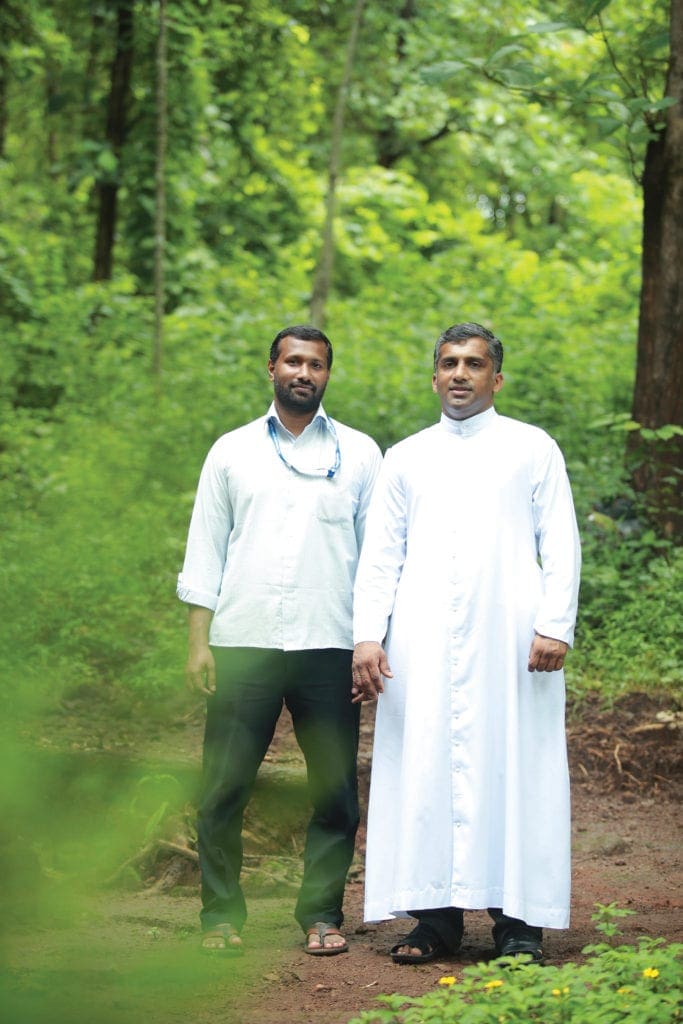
(472, 425)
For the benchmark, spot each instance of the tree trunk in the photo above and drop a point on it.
(4, 72)
(15, 26)
(390, 148)
(322, 281)
(160, 196)
(107, 188)
(658, 394)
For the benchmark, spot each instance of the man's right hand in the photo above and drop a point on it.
(368, 666)
(200, 670)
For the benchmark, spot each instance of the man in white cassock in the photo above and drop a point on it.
(469, 578)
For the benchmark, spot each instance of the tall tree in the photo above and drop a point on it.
(107, 186)
(628, 85)
(160, 194)
(15, 24)
(658, 393)
(322, 281)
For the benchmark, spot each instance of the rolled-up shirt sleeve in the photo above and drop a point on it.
(199, 582)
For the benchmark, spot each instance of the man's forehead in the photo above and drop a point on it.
(289, 345)
(468, 346)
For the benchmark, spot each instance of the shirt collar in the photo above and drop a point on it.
(320, 420)
(472, 425)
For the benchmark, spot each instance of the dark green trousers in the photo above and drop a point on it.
(252, 686)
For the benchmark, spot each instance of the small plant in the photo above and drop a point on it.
(625, 984)
(606, 916)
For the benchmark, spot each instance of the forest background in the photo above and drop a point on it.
(179, 180)
(489, 167)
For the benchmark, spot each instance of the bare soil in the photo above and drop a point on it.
(121, 954)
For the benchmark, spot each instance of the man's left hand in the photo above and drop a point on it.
(369, 665)
(546, 654)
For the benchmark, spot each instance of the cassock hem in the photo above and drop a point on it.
(556, 918)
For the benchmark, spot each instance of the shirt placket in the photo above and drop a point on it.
(290, 557)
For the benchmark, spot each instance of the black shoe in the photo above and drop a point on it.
(513, 937)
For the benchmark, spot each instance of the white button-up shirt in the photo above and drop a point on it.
(272, 549)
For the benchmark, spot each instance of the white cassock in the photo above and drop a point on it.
(471, 545)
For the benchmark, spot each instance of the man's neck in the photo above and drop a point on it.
(295, 422)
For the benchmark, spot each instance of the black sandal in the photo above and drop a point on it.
(423, 938)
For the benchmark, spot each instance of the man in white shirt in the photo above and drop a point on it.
(469, 576)
(271, 557)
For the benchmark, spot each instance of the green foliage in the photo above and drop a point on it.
(602, 64)
(628, 635)
(634, 985)
(454, 203)
(606, 916)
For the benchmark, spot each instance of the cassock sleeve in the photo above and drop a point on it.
(382, 556)
(557, 540)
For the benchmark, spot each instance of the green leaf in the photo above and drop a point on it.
(504, 51)
(594, 7)
(663, 104)
(156, 819)
(107, 161)
(435, 74)
(667, 431)
(607, 125)
(522, 75)
(550, 26)
(659, 42)
(641, 104)
(611, 420)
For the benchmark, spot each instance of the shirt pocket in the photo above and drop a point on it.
(336, 509)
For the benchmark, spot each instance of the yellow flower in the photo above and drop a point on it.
(449, 980)
(493, 984)
(561, 991)
(650, 972)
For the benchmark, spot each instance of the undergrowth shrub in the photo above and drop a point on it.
(625, 984)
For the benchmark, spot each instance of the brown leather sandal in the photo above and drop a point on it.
(321, 929)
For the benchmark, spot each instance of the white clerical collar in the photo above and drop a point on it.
(472, 425)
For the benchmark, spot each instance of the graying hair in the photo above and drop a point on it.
(461, 332)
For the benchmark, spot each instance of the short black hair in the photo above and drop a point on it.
(304, 332)
(461, 332)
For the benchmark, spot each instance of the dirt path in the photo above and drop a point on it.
(115, 956)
